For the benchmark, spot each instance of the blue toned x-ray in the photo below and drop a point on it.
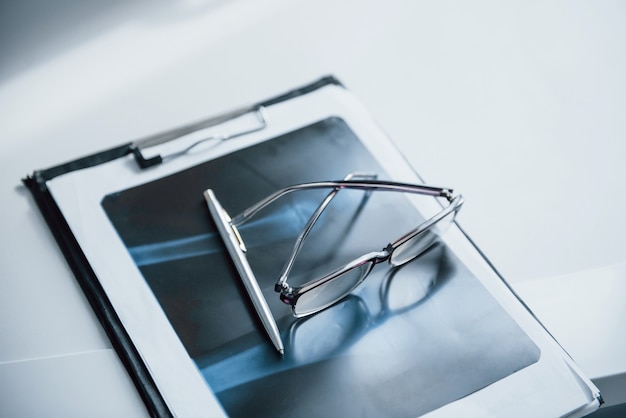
(386, 349)
(284, 225)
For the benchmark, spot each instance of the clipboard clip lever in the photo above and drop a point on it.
(144, 162)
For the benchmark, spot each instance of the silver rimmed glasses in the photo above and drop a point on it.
(321, 292)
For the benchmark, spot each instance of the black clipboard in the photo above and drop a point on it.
(335, 145)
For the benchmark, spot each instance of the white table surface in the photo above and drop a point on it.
(518, 105)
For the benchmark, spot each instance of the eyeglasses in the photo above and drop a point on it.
(401, 292)
(322, 292)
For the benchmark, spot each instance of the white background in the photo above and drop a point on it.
(519, 105)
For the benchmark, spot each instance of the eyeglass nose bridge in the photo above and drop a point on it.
(385, 255)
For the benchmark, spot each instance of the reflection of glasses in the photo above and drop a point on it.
(322, 292)
(326, 335)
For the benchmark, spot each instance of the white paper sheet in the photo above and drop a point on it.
(552, 386)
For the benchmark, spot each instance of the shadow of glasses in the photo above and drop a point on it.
(401, 291)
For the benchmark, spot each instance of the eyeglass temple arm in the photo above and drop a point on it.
(311, 222)
(344, 184)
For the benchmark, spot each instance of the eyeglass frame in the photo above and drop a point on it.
(290, 295)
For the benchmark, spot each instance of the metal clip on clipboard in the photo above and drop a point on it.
(182, 131)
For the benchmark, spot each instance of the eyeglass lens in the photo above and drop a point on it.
(421, 242)
(330, 292)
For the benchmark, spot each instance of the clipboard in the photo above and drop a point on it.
(132, 225)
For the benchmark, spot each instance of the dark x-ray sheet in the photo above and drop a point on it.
(406, 342)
